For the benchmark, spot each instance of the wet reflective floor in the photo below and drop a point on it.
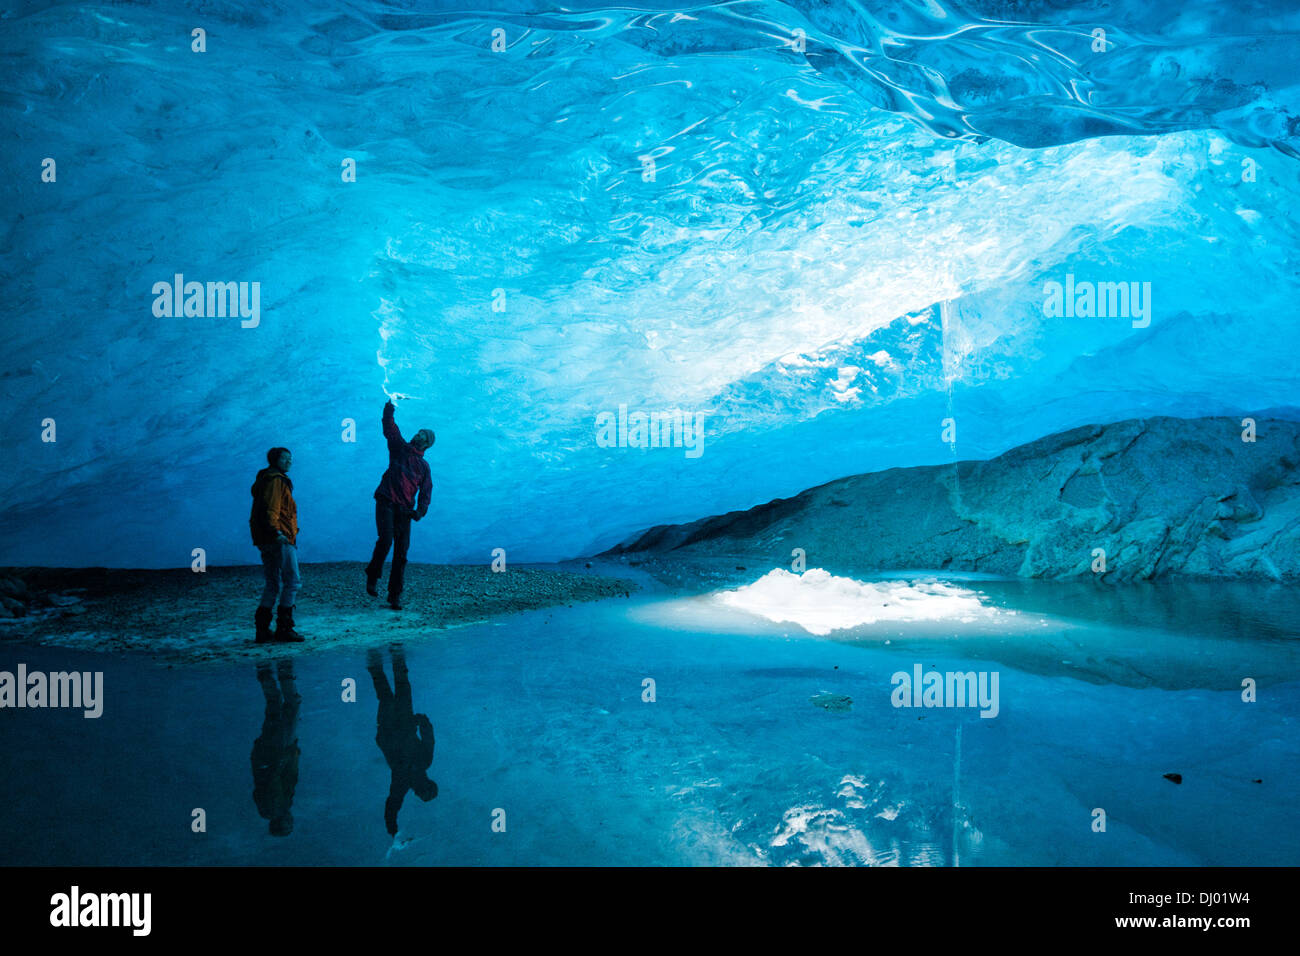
(673, 731)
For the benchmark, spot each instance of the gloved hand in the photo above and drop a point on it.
(415, 515)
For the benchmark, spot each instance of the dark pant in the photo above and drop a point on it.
(280, 568)
(393, 523)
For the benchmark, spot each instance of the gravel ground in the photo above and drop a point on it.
(188, 616)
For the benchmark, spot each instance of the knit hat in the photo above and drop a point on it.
(424, 437)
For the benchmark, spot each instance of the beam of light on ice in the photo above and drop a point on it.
(820, 602)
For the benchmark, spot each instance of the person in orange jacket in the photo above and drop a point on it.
(274, 524)
(275, 753)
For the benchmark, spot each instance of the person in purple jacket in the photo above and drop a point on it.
(395, 505)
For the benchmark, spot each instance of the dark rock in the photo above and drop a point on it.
(14, 587)
(1175, 777)
(1162, 496)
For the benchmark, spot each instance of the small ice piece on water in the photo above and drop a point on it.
(836, 703)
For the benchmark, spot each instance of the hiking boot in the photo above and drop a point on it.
(284, 632)
(263, 621)
(372, 586)
(394, 602)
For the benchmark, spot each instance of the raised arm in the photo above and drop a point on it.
(391, 431)
(396, 794)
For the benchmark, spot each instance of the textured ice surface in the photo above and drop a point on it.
(853, 211)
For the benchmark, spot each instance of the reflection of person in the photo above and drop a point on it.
(274, 524)
(406, 738)
(395, 508)
(275, 753)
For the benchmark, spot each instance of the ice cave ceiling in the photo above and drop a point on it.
(823, 226)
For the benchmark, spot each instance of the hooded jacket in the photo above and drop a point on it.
(408, 472)
(273, 508)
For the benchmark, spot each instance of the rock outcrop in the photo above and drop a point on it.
(18, 598)
(1159, 496)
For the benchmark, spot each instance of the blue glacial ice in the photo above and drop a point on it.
(826, 227)
(852, 213)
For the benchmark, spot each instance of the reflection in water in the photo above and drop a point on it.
(1174, 635)
(275, 752)
(406, 738)
(742, 768)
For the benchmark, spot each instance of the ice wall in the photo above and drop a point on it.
(823, 227)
